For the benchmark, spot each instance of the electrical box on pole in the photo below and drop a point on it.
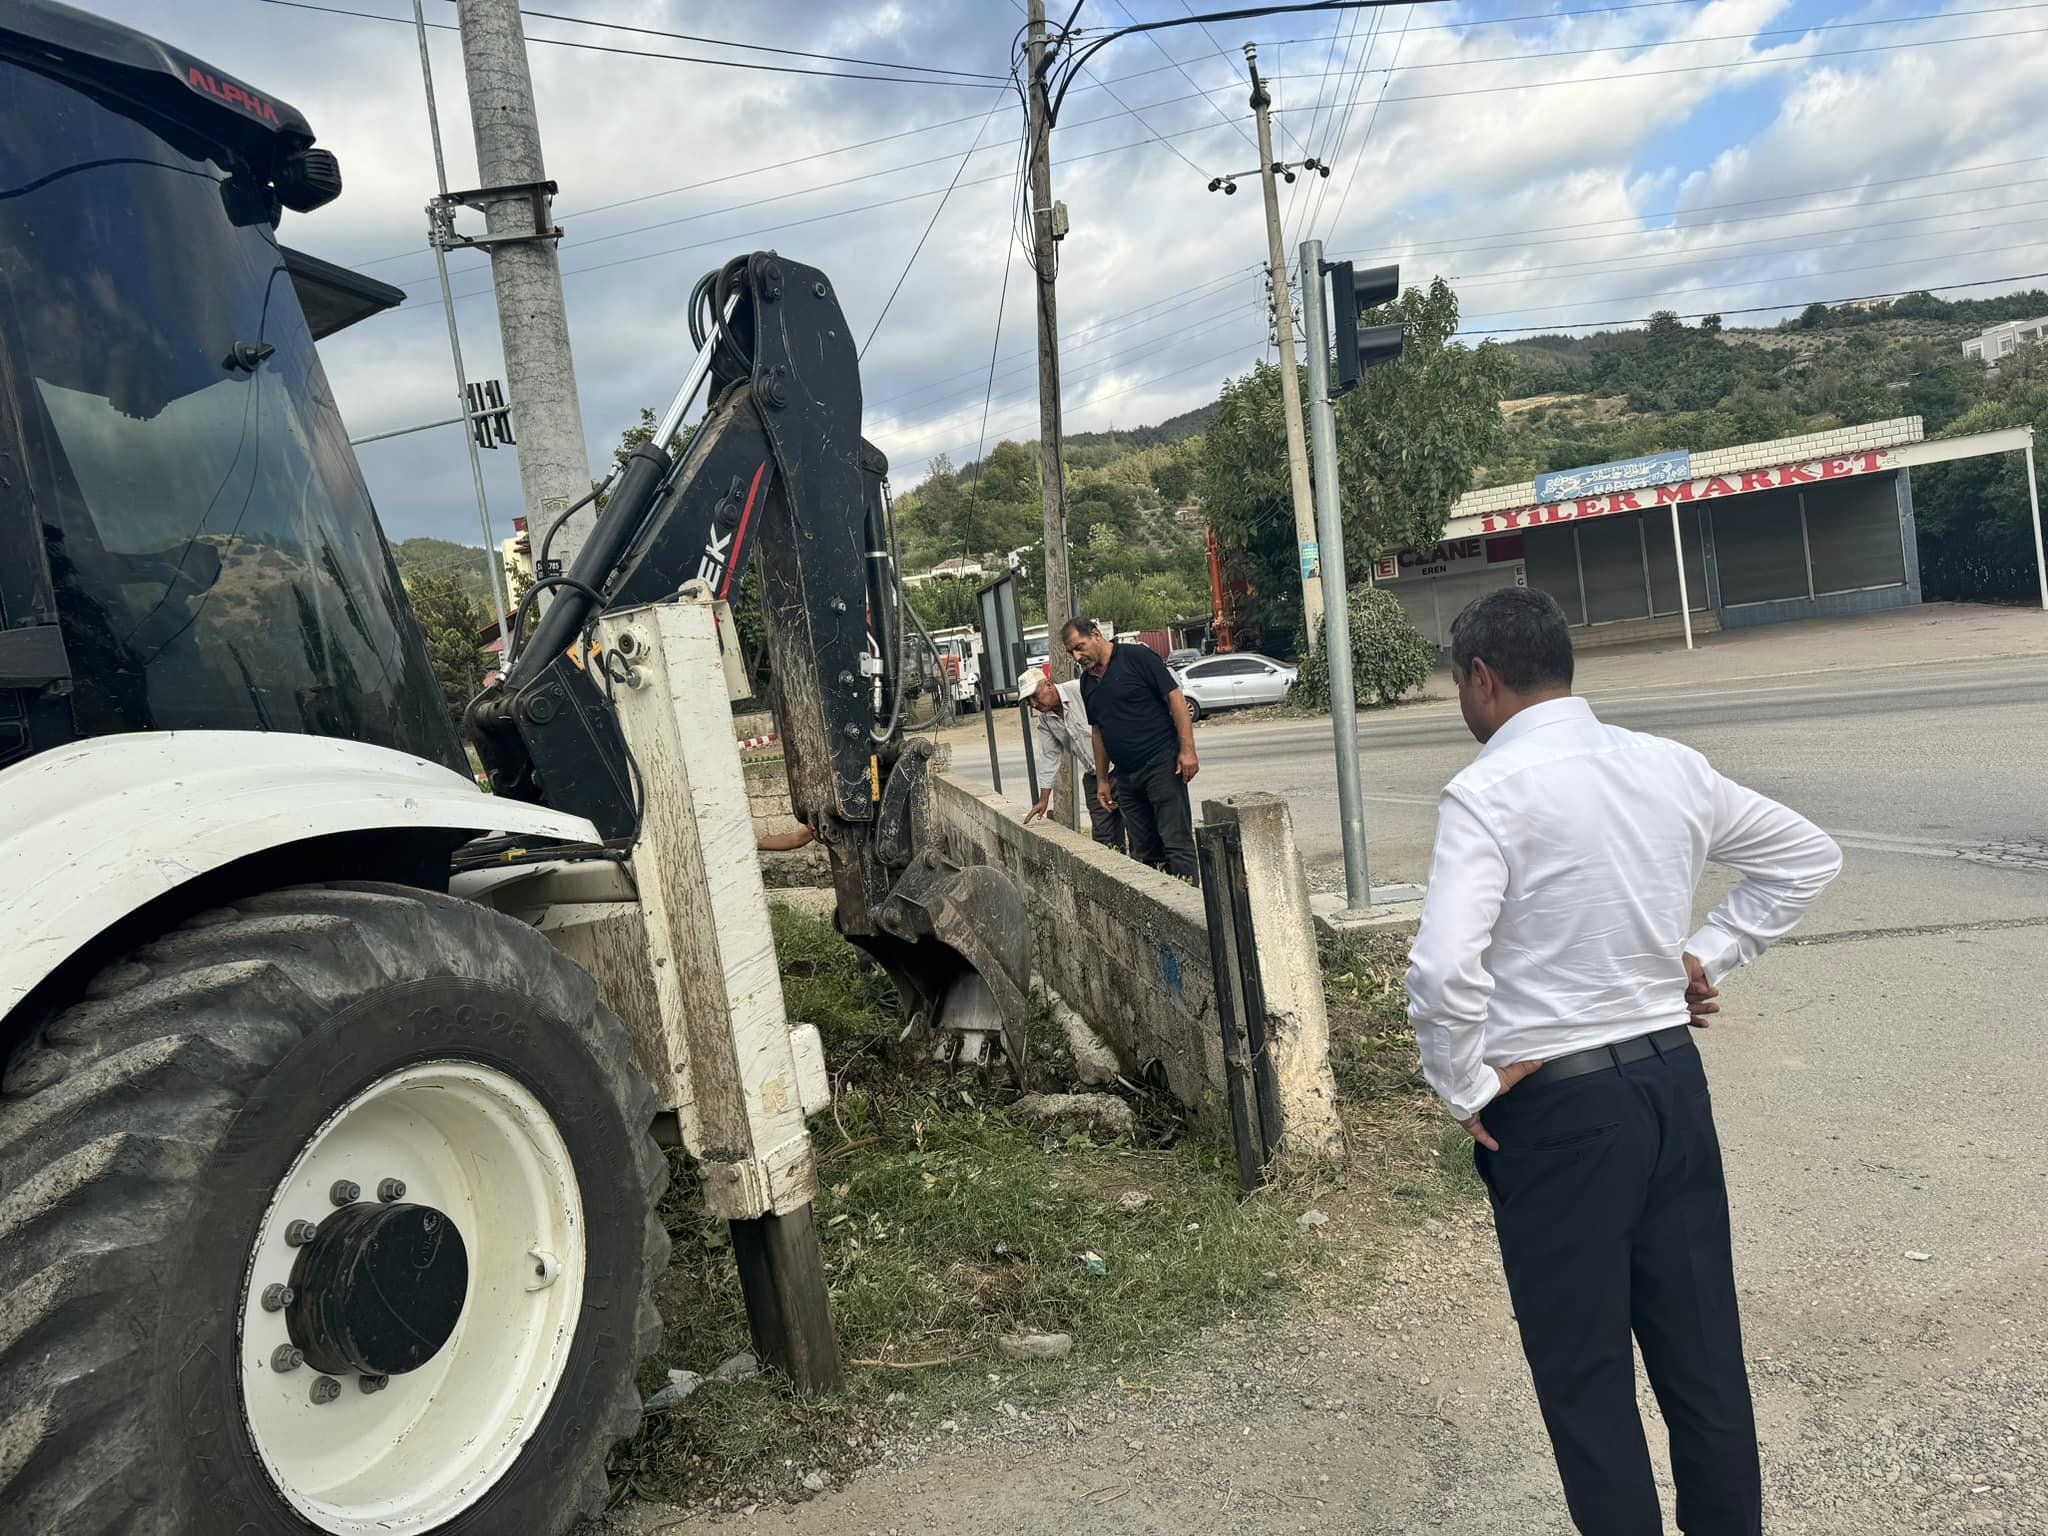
(1352, 293)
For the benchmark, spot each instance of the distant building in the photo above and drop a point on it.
(959, 568)
(2004, 340)
(1865, 306)
(517, 553)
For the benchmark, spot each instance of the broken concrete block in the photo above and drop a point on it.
(1094, 1114)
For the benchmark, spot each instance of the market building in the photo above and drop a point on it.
(1684, 543)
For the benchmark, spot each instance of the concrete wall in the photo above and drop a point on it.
(768, 799)
(1127, 947)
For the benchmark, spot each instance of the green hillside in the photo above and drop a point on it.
(464, 564)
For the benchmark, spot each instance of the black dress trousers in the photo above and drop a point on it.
(1613, 1219)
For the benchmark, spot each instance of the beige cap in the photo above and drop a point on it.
(1028, 681)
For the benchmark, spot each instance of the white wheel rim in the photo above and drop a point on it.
(475, 1145)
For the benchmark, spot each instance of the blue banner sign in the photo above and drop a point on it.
(1605, 479)
(1311, 558)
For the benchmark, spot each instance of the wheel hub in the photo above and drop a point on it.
(379, 1289)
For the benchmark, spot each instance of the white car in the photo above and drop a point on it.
(1230, 682)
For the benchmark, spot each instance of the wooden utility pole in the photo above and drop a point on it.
(1290, 381)
(1052, 475)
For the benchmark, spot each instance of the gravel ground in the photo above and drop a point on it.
(1889, 1174)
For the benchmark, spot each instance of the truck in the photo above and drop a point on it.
(333, 1089)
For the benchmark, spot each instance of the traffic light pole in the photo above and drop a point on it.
(1290, 380)
(1322, 421)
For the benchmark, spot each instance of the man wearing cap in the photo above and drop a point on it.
(1064, 736)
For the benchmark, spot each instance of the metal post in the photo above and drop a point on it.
(2034, 503)
(988, 724)
(554, 467)
(1052, 475)
(1322, 419)
(1290, 382)
(1031, 753)
(493, 562)
(1684, 600)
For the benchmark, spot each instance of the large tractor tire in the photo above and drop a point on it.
(407, 1111)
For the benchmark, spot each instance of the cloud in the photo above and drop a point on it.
(1471, 167)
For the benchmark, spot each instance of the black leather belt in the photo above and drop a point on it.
(1602, 1058)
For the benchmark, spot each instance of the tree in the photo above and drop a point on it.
(1710, 325)
(1411, 435)
(449, 620)
(1666, 329)
(1388, 654)
(1814, 315)
(1174, 481)
(1245, 491)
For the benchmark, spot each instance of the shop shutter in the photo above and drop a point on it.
(1552, 564)
(1611, 555)
(1854, 533)
(1759, 548)
(1664, 569)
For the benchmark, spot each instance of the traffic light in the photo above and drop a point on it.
(1350, 293)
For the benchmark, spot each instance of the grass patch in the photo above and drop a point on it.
(1400, 1136)
(944, 1226)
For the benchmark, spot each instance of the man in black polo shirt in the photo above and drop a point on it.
(1141, 724)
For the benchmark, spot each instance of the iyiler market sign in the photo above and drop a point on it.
(1707, 488)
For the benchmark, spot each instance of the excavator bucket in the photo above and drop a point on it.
(955, 938)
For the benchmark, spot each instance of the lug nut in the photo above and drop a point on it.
(325, 1389)
(389, 1190)
(286, 1357)
(300, 1233)
(345, 1192)
(373, 1383)
(276, 1297)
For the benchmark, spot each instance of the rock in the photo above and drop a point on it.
(817, 1480)
(741, 1367)
(894, 1399)
(680, 1385)
(1093, 1114)
(1311, 1218)
(1133, 1200)
(1037, 1346)
(1917, 1256)
(1095, 1064)
(949, 1426)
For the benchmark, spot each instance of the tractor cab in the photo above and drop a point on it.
(186, 542)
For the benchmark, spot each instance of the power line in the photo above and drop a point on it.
(1559, 327)
(1105, 117)
(929, 226)
(1450, 247)
(643, 53)
(1467, 280)
(1364, 139)
(726, 42)
(1679, 293)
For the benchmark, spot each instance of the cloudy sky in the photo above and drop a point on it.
(1565, 162)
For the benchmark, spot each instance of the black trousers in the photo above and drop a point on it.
(1106, 827)
(1613, 1218)
(1158, 816)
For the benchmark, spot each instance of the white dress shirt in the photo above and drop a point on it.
(1561, 892)
(1065, 732)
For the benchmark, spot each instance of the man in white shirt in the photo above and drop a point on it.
(1064, 736)
(1556, 959)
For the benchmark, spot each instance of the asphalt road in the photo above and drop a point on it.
(1934, 776)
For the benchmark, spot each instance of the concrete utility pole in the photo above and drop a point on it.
(1052, 475)
(554, 469)
(494, 564)
(1336, 599)
(1290, 382)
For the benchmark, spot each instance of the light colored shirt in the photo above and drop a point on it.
(1561, 894)
(1065, 733)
